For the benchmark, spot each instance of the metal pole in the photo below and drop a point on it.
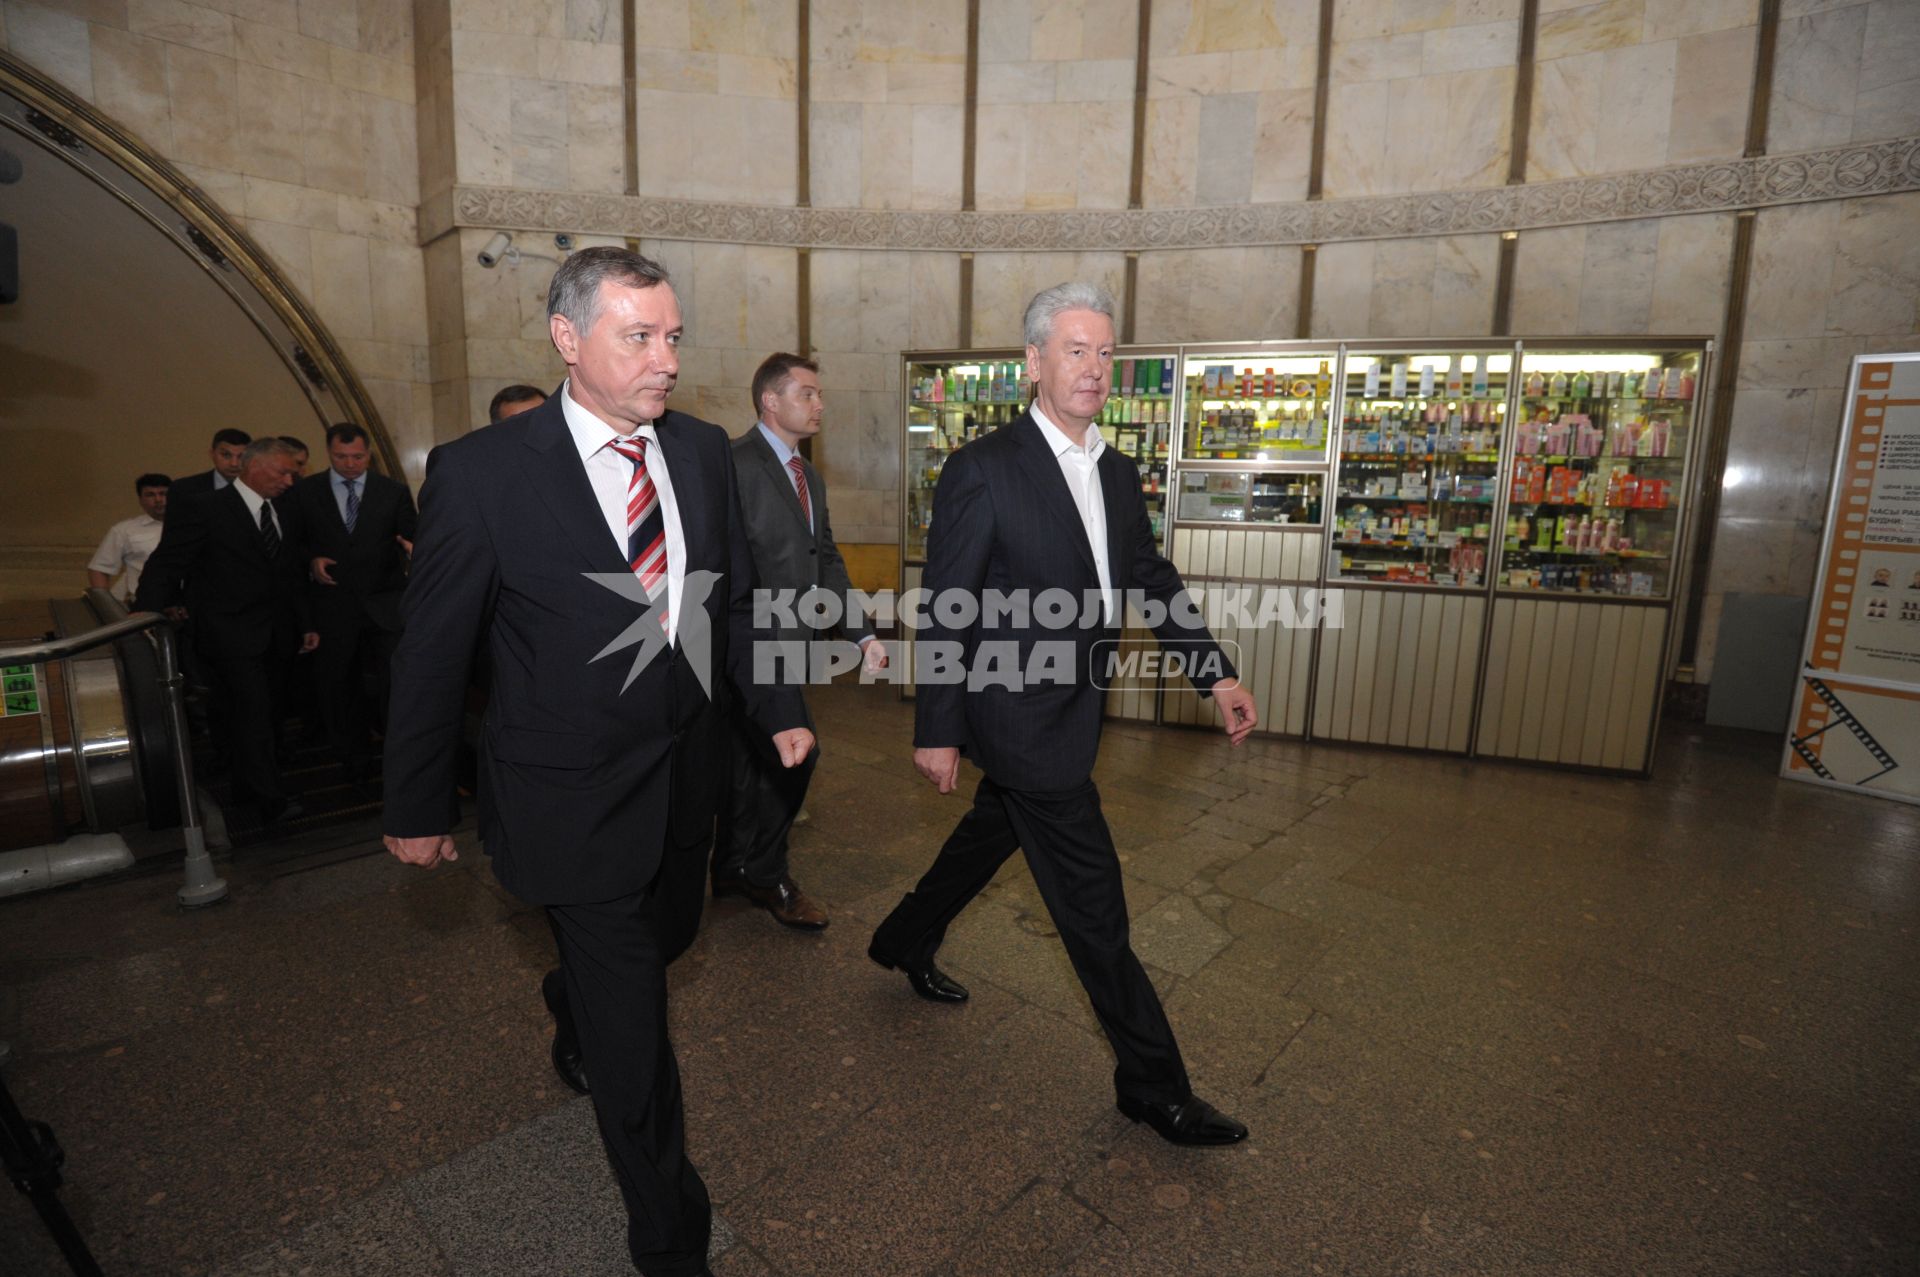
(203, 886)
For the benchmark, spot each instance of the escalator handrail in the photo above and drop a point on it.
(59, 649)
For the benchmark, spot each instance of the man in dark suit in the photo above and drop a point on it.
(358, 528)
(1045, 505)
(511, 401)
(224, 452)
(595, 545)
(783, 505)
(230, 562)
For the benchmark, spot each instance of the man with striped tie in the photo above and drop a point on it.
(783, 506)
(594, 545)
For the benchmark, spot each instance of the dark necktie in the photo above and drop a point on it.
(269, 531)
(353, 503)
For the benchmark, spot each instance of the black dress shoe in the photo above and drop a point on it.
(567, 1060)
(927, 980)
(1194, 1123)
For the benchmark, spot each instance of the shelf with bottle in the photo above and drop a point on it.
(1257, 407)
(1418, 467)
(1253, 497)
(1600, 450)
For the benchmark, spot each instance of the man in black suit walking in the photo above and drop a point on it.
(1045, 505)
(233, 559)
(783, 505)
(225, 452)
(594, 544)
(359, 527)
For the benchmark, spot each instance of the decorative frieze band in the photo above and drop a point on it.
(1869, 168)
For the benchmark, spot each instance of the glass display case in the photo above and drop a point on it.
(1258, 405)
(1418, 473)
(1249, 496)
(1600, 446)
(951, 402)
(1138, 420)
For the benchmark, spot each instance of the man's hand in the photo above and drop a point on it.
(175, 614)
(425, 852)
(308, 642)
(404, 544)
(793, 746)
(874, 656)
(1236, 708)
(319, 568)
(941, 766)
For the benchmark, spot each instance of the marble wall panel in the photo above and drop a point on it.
(1420, 96)
(1547, 270)
(1343, 289)
(887, 83)
(1003, 283)
(1692, 268)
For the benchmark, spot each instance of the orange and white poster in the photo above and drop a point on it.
(1856, 720)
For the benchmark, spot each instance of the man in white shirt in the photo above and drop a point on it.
(127, 544)
(1044, 505)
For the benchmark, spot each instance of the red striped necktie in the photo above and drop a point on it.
(646, 524)
(799, 472)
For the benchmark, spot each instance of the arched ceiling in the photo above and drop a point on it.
(122, 355)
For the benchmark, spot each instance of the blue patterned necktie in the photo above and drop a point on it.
(353, 503)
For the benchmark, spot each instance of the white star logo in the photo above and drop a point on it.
(649, 631)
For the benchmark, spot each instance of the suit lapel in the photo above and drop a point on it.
(236, 507)
(688, 474)
(782, 482)
(1115, 478)
(1043, 473)
(560, 479)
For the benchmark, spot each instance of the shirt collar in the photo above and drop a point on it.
(590, 434)
(253, 499)
(781, 452)
(221, 481)
(1059, 442)
(340, 480)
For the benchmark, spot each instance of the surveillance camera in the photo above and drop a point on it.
(563, 242)
(496, 248)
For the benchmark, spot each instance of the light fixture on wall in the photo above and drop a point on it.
(500, 249)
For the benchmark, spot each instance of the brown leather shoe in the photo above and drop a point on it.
(784, 900)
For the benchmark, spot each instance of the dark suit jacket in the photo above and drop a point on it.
(787, 553)
(193, 485)
(1005, 520)
(584, 783)
(211, 560)
(369, 568)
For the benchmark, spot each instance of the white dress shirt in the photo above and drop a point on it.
(611, 474)
(125, 548)
(1080, 465)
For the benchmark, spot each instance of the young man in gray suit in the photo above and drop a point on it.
(783, 506)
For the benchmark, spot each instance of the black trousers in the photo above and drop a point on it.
(1070, 853)
(351, 675)
(762, 801)
(248, 697)
(613, 960)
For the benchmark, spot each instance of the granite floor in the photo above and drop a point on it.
(1481, 1019)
